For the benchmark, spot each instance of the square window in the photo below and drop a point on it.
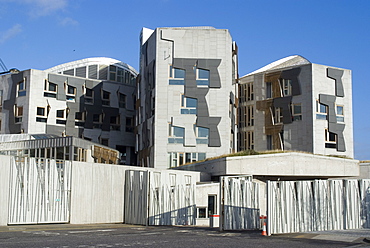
(60, 113)
(40, 111)
(52, 87)
(71, 90)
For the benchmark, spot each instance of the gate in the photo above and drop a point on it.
(159, 198)
(239, 203)
(39, 191)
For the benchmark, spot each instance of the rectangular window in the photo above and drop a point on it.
(269, 142)
(21, 87)
(112, 72)
(50, 89)
(188, 105)
(175, 134)
(202, 77)
(286, 87)
(340, 113)
(61, 117)
(89, 96)
(80, 118)
(330, 139)
(268, 90)
(115, 123)
(18, 113)
(105, 98)
(1, 97)
(202, 212)
(179, 158)
(176, 76)
(120, 75)
(41, 114)
(201, 134)
(70, 93)
(296, 112)
(122, 100)
(40, 111)
(321, 111)
(278, 116)
(97, 120)
(129, 124)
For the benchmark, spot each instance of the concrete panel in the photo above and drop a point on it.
(5, 162)
(336, 74)
(97, 193)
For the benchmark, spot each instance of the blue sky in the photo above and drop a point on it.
(40, 34)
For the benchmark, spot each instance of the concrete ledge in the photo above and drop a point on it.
(292, 164)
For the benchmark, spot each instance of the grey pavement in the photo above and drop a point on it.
(122, 235)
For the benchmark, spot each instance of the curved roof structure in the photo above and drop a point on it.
(90, 67)
(289, 61)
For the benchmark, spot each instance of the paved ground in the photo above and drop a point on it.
(120, 235)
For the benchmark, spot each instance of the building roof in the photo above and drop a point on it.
(91, 61)
(289, 61)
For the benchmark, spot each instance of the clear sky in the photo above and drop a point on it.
(40, 34)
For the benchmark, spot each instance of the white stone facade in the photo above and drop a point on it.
(186, 95)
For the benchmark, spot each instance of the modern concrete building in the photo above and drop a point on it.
(92, 99)
(186, 95)
(293, 104)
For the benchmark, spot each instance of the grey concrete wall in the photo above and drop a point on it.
(364, 170)
(97, 193)
(4, 189)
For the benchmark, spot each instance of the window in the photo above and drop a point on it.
(50, 89)
(176, 76)
(340, 113)
(330, 139)
(278, 116)
(89, 96)
(296, 112)
(286, 87)
(247, 140)
(105, 98)
(268, 90)
(21, 87)
(202, 212)
(112, 72)
(179, 158)
(120, 75)
(201, 134)
(18, 113)
(71, 93)
(188, 105)
(129, 124)
(80, 118)
(269, 142)
(122, 100)
(246, 92)
(202, 77)
(97, 120)
(321, 111)
(61, 117)
(41, 113)
(175, 134)
(115, 123)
